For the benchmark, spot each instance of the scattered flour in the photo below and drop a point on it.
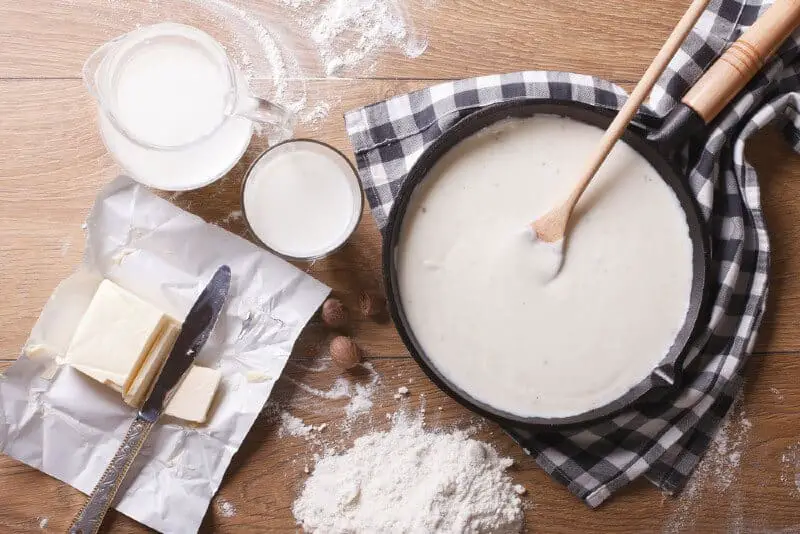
(350, 33)
(275, 61)
(296, 4)
(361, 402)
(724, 456)
(315, 115)
(420, 481)
(360, 395)
(234, 215)
(775, 391)
(790, 468)
(339, 390)
(43, 521)
(716, 472)
(324, 366)
(293, 426)
(226, 508)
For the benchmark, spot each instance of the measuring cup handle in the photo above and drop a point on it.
(265, 112)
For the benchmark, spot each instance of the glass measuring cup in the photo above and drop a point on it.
(173, 109)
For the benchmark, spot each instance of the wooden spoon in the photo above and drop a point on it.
(552, 226)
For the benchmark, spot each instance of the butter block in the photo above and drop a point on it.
(115, 336)
(193, 397)
(151, 366)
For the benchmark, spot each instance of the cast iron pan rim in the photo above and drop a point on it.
(522, 108)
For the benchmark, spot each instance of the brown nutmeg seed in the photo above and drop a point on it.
(344, 352)
(334, 314)
(372, 305)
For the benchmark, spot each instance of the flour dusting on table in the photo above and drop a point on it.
(361, 402)
(339, 390)
(350, 33)
(360, 395)
(226, 508)
(790, 468)
(716, 473)
(293, 426)
(775, 391)
(268, 58)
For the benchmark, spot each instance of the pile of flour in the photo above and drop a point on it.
(411, 480)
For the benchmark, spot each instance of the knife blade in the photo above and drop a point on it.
(196, 328)
(194, 334)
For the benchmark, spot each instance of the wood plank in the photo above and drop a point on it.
(52, 38)
(746, 484)
(779, 170)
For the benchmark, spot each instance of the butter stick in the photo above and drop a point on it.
(141, 385)
(115, 335)
(195, 394)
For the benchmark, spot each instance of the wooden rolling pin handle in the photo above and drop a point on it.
(737, 66)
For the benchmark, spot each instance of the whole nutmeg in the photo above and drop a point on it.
(334, 314)
(344, 352)
(372, 304)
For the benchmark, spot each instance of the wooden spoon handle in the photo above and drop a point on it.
(731, 72)
(640, 92)
(552, 226)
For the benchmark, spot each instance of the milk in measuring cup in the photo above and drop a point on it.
(170, 93)
(173, 110)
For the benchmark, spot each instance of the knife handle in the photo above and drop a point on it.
(90, 518)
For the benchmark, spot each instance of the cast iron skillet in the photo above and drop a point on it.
(700, 105)
(671, 364)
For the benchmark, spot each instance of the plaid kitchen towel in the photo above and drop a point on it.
(663, 442)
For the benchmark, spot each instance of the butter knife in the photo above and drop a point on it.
(194, 333)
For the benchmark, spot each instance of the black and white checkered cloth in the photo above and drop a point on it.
(663, 442)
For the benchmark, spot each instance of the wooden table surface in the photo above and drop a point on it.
(52, 163)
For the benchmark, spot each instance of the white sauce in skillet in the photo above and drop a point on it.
(515, 340)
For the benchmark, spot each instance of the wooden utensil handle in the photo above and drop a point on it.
(639, 94)
(90, 518)
(737, 66)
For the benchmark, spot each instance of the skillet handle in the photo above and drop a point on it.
(737, 66)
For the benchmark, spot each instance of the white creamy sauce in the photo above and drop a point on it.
(470, 276)
(549, 256)
(173, 92)
(302, 199)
